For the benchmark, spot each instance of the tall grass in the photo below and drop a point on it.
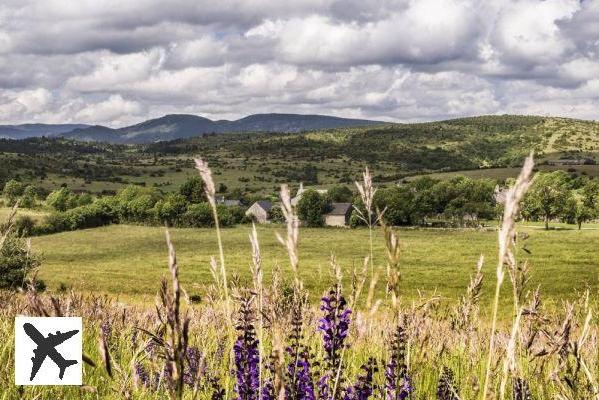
(283, 347)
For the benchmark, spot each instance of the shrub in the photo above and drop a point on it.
(62, 199)
(170, 209)
(236, 214)
(276, 214)
(136, 204)
(29, 197)
(197, 216)
(24, 225)
(12, 191)
(311, 207)
(16, 263)
(90, 216)
(340, 194)
(193, 190)
(53, 223)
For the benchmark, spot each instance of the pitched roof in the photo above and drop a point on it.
(339, 209)
(266, 205)
(230, 203)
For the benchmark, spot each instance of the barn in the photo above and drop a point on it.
(259, 211)
(339, 214)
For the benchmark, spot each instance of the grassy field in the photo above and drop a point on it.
(129, 260)
(34, 214)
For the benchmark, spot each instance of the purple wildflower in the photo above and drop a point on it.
(398, 385)
(247, 357)
(364, 387)
(218, 393)
(334, 325)
(106, 329)
(324, 387)
(299, 384)
(268, 390)
(142, 376)
(446, 389)
(521, 390)
(193, 358)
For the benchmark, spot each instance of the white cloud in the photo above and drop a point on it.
(119, 62)
(111, 109)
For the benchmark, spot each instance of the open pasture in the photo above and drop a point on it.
(128, 261)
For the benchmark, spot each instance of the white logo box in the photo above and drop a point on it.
(53, 341)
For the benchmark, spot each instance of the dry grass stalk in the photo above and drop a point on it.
(506, 236)
(393, 273)
(584, 335)
(257, 276)
(174, 324)
(291, 241)
(367, 192)
(206, 175)
(510, 364)
(8, 225)
(466, 312)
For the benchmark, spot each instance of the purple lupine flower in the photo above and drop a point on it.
(247, 357)
(446, 389)
(142, 376)
(364, 387)
(192, 357)
(334, 325)
(106, 329)
(218, 393)
(268, 390)
(324, 386)
(398, 385)
(299, 384)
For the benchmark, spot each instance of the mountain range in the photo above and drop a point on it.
(181, 126)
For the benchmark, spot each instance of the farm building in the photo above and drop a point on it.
(301, 191)
(259, 211)
(227, 202)
(339, 215)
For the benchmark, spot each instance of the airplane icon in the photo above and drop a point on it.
(46, 347)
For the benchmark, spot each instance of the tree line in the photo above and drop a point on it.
(459, 201)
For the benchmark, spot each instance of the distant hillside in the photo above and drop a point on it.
(181, 126)
(258, 162)
(459, 144)
(36, 130)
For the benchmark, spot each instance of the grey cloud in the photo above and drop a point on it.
(117, 62)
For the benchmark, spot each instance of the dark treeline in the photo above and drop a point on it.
(460, 201)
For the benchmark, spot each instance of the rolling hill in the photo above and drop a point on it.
(179, 126)
(258, 162)
(25, 131)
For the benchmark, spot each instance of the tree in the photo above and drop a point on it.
(311, 207)
(170, 208)
(193, 190)
(29, 197)
(62, 199)
(583, 205)
(13, 190)
(340, 194)
(576, 212)
(548, 196)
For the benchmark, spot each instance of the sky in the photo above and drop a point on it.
(120, 62)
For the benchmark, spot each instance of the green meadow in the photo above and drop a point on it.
(127, 261)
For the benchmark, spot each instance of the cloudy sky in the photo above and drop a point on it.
(120, 62)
